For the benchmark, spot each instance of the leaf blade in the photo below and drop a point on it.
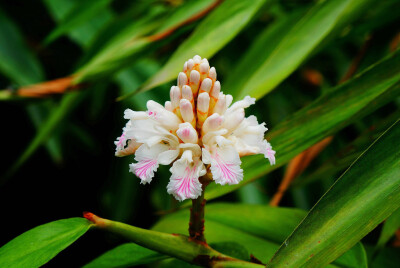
(40, 244)
(355, 204)
(212, 34)
(282, 48)
(125, 255)
(258, 228)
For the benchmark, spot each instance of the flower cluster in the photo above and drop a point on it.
(198, 130)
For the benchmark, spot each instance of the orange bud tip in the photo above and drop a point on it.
(89, 216)
(93, 218)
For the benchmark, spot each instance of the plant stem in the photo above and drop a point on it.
(196, 223)
(174, 245)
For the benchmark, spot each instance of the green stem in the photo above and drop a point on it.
(174, 245)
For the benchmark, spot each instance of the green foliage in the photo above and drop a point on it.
(16, 60)
(76, 16)
(126, 255)
(289, 55)
(389, 228)
(354, 206)
(40, 244)
(259, 229)
(210, 36)
(332, 111)
(289, 42)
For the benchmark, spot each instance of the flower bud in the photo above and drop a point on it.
(214, 94)
(203, 102)
(220, 106)
(204, 68)
(182, 80)
(187, 112)
(212, 74)
(212, 123)
(197, 59)
(206, 85)
(187, 94)
(194, 82)
(168, 106)
(175, 95)
(187, 133)
(190, 65)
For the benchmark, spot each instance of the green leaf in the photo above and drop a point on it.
(391, 225)
(387, 258)
(356, 257)
(40, 244)
(38, 112)
(128, 43)
(46, 129)
(16, 60)
(19, 64)
(78, 15)
(334, 110)
(258, 228)
(220, 27)
(83, 32)
(125, 255)
(366, 194)
(344, 157)
(281, 48)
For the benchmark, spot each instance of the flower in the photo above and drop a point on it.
(197, 130)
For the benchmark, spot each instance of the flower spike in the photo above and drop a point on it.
(198, 129)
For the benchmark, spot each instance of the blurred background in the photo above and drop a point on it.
(58, 149)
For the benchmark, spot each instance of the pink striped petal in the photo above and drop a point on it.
(184, 182)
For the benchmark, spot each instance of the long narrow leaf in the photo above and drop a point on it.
(124, 46)
(366, 194)
(16, 60)
(40, 244)
(211, 35)
(257, 228)
(44, 133)
(288, 43)
(79, 14)
(126, 255)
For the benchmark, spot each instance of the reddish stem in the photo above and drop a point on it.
(196, 223)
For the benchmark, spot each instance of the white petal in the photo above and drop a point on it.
(166, 118)
(147, 164)
(132, 115)
(209, 138)
(125, 145)
(150, 132)
(233, 119)
(246, 102)
(225, 164)
(184, 182)
(268, 152)
(167, 157)
(130, 149)
(194, 148)
(248, 137)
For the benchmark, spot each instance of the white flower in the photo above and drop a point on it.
(197, 130)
